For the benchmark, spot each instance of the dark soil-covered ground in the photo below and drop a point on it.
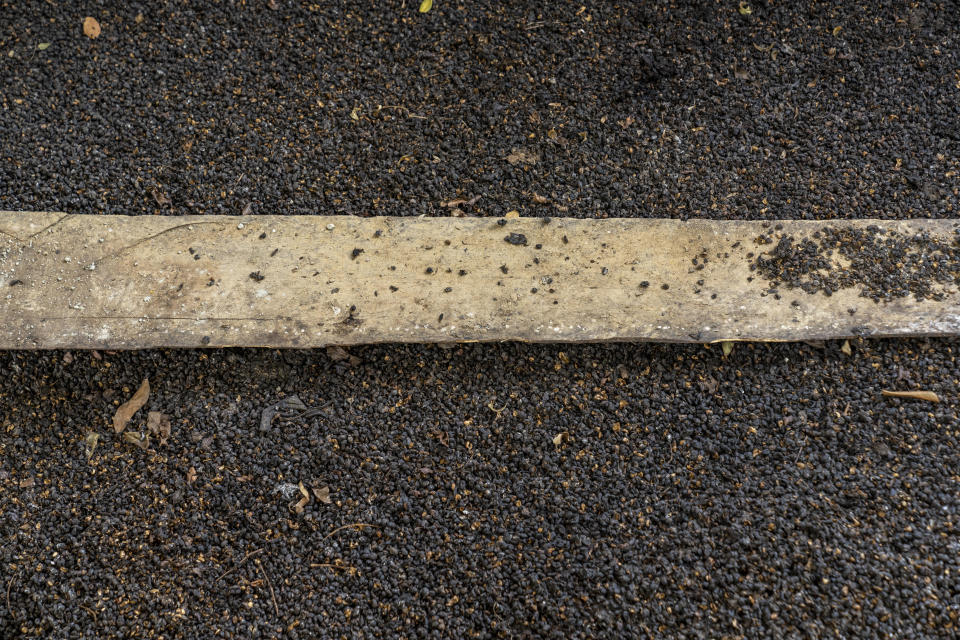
(484, 490)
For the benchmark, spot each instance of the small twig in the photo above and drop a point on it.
(273, 596)
(91, 612)
(357, 525)
(245, 558)
(9, 585)
(328, 565)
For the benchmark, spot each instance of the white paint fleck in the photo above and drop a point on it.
(240, 226)
(330, 227)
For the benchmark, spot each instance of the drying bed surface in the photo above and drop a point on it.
(626, 109)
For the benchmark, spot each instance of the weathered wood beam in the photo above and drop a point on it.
(119, 282)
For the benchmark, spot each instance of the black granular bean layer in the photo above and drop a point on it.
(516, 490)
(883, 264)
(616, 491)
(628, 109)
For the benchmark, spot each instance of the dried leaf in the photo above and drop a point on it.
(273, 5)
(90, 443)
(726, 347)
(836, 30)
(744, 9)
(303, 502)
(159, 425)
(323, 494)
(845, 347)
(355, 113)
(43, 46)
(426, 5)
(459, 201)
(512, 214)
(91, 28)
(247, 209)
(142, 440)
(929, 396)
(522, 156)
(560, 438)
(160, 197)
(337, 354)
(539, 199)
(139, 18)
(26, 483)
(191, 475)
(130, 407)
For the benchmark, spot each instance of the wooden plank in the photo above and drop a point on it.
(87, 281)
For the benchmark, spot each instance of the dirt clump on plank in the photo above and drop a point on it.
(884, 264)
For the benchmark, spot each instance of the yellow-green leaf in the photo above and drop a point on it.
(726, 347)
(43, 46)
(426, 5)
(744, 9)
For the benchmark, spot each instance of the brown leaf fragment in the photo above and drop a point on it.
(130, 407)
(26, 483)
(160, 197)
(522, 156)
(159, 425)
(845, 348)
(90, 443)
(337, 354)
(302, 502)
(928, 396)
(91, 28)
(323, 494)
(142, 440)
(539, 199)
(459, 201)
(191, 475)
(560, 438)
